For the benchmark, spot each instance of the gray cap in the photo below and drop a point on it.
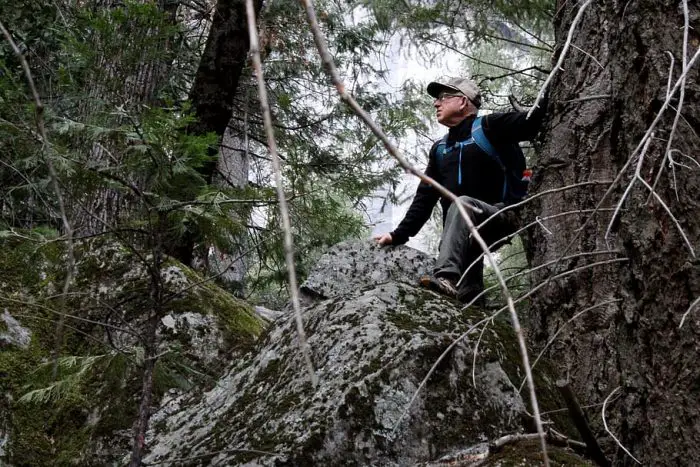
(459, 86)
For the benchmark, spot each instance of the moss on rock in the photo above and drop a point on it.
(112, 287)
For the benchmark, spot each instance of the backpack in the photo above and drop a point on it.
(516, 175)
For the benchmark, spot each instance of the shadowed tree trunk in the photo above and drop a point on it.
(635, 342)
(132, 65)
(219, 72)
(214, 90)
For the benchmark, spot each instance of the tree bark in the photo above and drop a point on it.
(635, 343)
(219, 72)
(119, 79)
(214, 90)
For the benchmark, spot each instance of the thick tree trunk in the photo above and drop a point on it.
(129, 78)
(214, 90)
(219, 72)
(634, 342)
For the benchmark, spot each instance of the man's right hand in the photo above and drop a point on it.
(383, 239)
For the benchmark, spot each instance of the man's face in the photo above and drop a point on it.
(451, 108)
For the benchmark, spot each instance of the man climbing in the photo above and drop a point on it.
(480, 162)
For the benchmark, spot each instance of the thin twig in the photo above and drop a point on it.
(284, 210)
(347, 98)
(587, 98)
(589, 55)
(525, 227)
(46, 147)
(640, 162)
(638, 176)
(605, 423)
(690, 308)
(680, 100)
(476, 352)
(541, 266)
(562, 56)
(531, 291)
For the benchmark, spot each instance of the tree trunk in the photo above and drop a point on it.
(128, 78)
(219, 72)
(634, 342)
(214, 90)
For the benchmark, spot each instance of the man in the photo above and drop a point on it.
(468, 171)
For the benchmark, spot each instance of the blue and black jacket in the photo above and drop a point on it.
(466, 170)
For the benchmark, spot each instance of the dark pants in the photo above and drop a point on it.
(458, 250)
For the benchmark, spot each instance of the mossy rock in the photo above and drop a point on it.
(90, 423)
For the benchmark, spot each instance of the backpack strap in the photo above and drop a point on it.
(442, 149)
(483, 142)
(485, 145)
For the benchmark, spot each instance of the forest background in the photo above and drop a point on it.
(140, 123)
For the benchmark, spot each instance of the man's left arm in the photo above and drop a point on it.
(513, 127)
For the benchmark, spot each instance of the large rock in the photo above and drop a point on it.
(86, 416)
(373, 338)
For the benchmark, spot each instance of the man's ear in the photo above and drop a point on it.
(465, 104)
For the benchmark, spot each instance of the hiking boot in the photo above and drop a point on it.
(441, 285)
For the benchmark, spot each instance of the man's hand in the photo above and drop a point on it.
(383, 239)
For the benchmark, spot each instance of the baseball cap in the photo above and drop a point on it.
(457, 85)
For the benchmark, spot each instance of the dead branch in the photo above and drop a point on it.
(562, 56)
(327, 60)
(690, 308)
(638, 176)
(667, 153)
(605, 423)
(284, 210)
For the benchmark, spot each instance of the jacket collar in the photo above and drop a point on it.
(461, 131)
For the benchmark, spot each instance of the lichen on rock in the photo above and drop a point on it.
(105, 311)
(374, 337)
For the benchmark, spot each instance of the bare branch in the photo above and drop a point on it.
(562, 56)
(690, 308)
(284, 211)
(605, 423)
(46, 147)
(638, 176)
(667, 153)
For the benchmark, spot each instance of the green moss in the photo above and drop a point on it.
(58, 432)
(239, 323)
(507, 351)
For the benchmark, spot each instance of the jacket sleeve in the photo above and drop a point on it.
(422, 206)
(513, 127)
